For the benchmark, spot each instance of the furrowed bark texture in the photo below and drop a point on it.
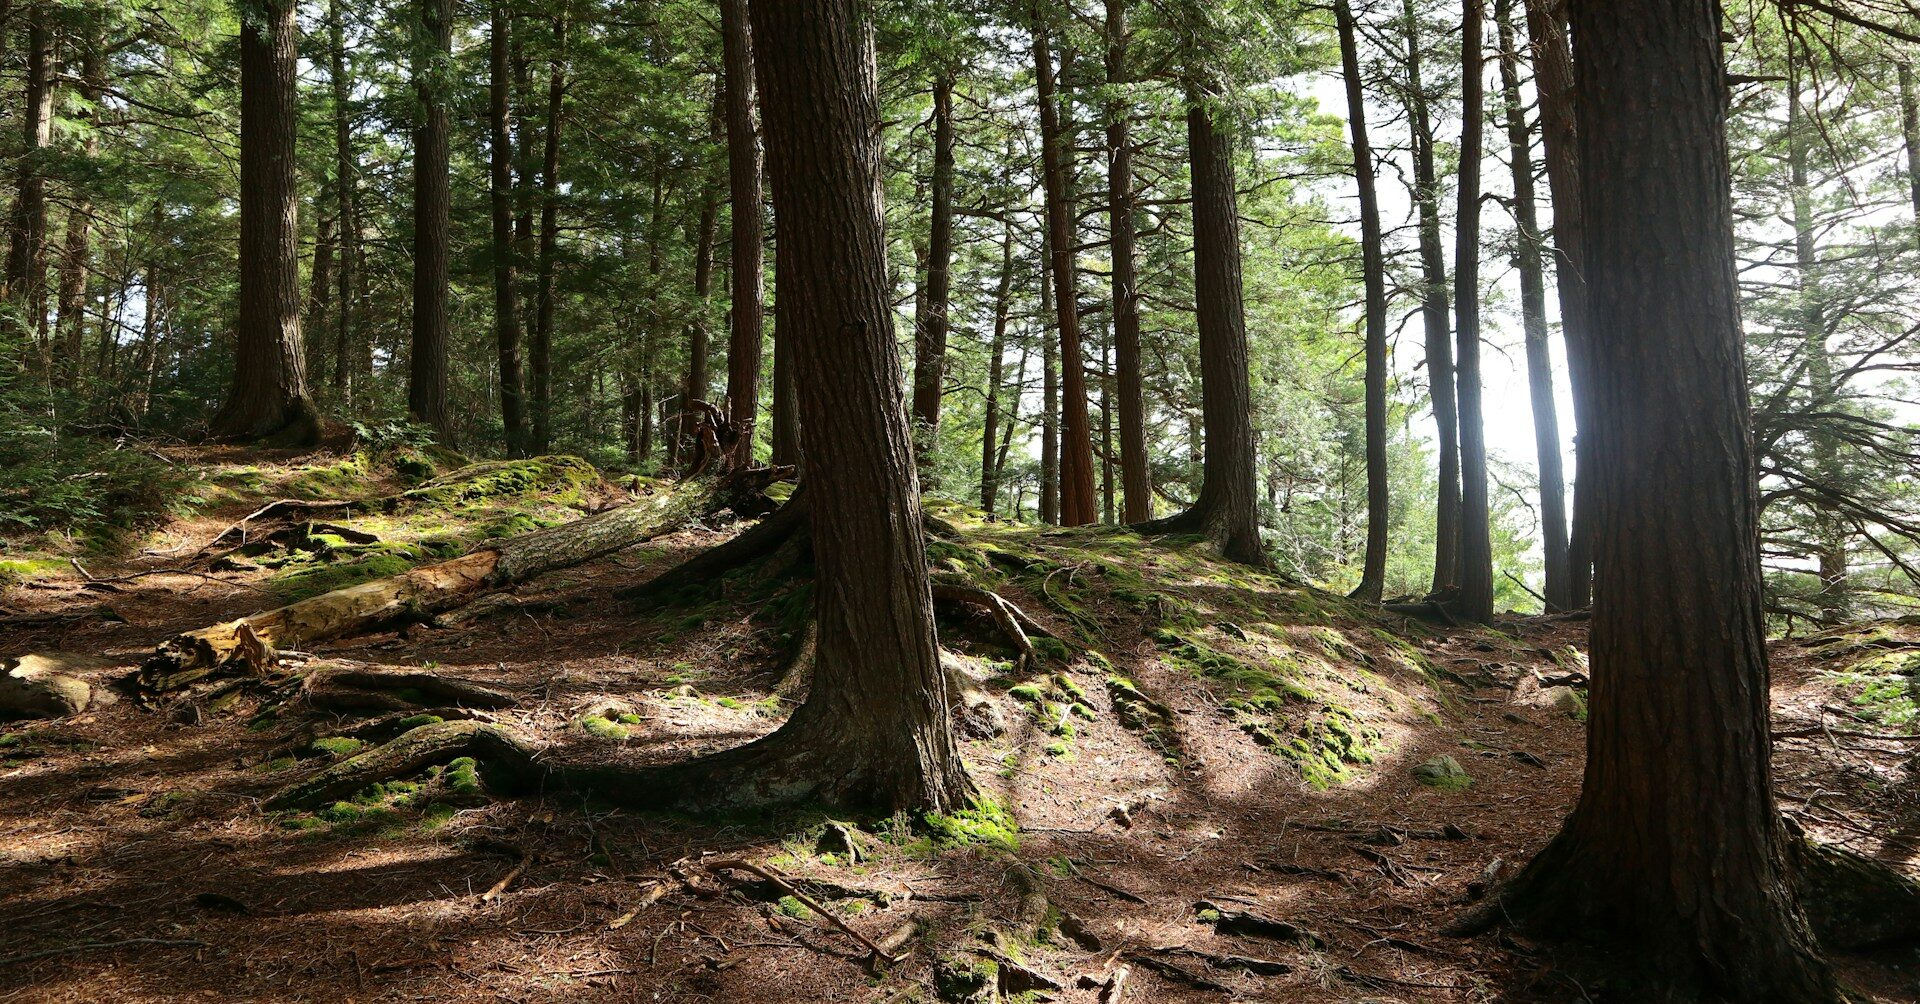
(1077, 506)
(427, 362)
(1373, 263)
(744, 181)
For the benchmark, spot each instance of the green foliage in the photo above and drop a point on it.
(99, 490)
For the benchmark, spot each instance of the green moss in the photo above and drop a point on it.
(1443, 773)
(791, 907)
(416, 721)
(462, 776)
(29, 569)
(628, 718)
(338, 747)
(560, 479)
(604, 729)
(987, 823)
(437, 816)
(298, 583)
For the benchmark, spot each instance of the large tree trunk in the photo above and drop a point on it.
(1533, 314)
(1136, 480)
(346, 354)
(1227, 511)
(269, 392)
(996, 375)
(1476, 540)
(1553, 81)
(506, 293)
(743, 179)
(1675, 845)
(26, 274)
(542, 347)
(1373, 576)
(1435, 313)
(1076, 434)
(427, 360)
(930, 356)
(875, 731)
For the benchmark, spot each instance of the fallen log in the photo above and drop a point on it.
(248, 643)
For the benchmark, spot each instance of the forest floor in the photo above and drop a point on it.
(1213, 781)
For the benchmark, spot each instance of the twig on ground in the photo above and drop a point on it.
(92, 946)
(739, 864)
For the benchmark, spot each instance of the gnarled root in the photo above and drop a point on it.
(1012, 621)
(1853, 902)
(368, 690)
(769, 537)
(512, 762)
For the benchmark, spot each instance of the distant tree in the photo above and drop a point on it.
(744, 182)
(1373, 263)
(506, 293)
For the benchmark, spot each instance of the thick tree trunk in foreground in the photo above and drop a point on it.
(1136, 481)
(1533, 313)
(1553, 80)
(1227, 511)
(1476, 541)
(1373, 262)
(26, 274)
(506, 293)
(269, 392)
(875, 731)
(930, 357)
(432, 196)
(744, 183)
(1676, 845)
(1076, 431)
(542, 347)
(1436, 315)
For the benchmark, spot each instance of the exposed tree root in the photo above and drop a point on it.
(367, 690)
(1854, 902)
(767, 537)
(248, 643)
(512, 761)
(1011, 620)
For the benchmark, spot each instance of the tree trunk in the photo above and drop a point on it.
(875, 731)
(346, 357)
(542, 347)
(787, 450)
(996, 374)
(930, 356)
(1049, 397)
(269, 392)
(1136, 484)
(1106, 430)
(1476, 543)
(320, 287)
(427, 360)
(1533, 314)
(1910, 132)
(506, 294)
(1435, 312)
(1076, 499)
(743, 177)
(76, 266)
(1553, 80)
(26, 274)
(1676, 845)
(1374, 574)
(1007, 427)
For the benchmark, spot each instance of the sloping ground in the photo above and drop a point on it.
(1203, 749)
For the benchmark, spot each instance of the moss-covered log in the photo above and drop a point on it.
(512, 762)
(431, 589)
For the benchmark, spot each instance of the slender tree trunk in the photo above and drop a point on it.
(77, 265)
(743, 176)
(1910, 132)
(699, 342)
(787, 450)
(542, 344)
(1106, 430)
(996, 374)
(1007, 427)
(269, 392)
(1136, 484)
(1436, 314)
(1476, 543)
(1227, 511)
(1373, 577)
(1049, 500)
(1676, 845)
(875, 730)
(1553, 80)
(432, 196)
(26, 274)
(506, 293)
(1076, 499)
(1829, 532)
(320, 288)
(1533, 314)
(930, 357)
(346, 358)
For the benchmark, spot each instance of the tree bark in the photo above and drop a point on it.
(268, 397)
(875, 731)
(542, 347)
(1910, 132)
(744, 183)
(1476, 543)
(76, 265)
(346, 357)
(1553, 80)
(1076, 439)
(1675, 846)
(1049, 501)
(432, 196)
(1533, 314)
(1136, 484)
(1227, 511)
(1435, 313)
(930, 356)
(506, 293)
(26, 274)
(1373, 576)
(787, 451)
(996, 375)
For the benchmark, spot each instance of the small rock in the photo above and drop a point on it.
(1444, 773)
